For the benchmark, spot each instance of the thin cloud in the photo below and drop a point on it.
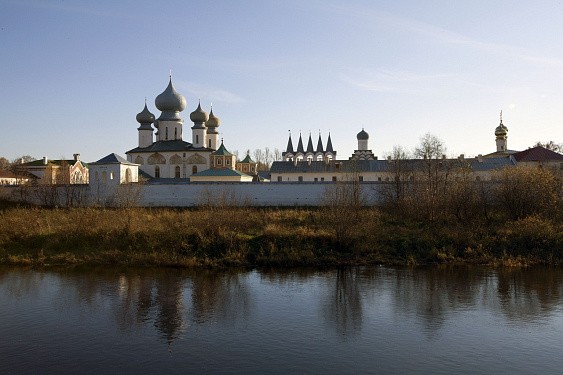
(211, 93)
(397, 81)
(441, 35)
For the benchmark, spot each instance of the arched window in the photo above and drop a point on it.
(156, 158)
(128, 177)
(209, 143)
(177, 172)
(166, 136)
(194, 169)
(175, 133)
(139, 160)
(96, 176)
(157, 172)
(104, 176)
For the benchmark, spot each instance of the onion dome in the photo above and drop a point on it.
(145, 116)
(170, 102)
(501, 130)
(199, 115)
(362, 136)
(213, 120)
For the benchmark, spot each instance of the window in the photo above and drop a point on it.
(104, 176)
(157, 172)
(210, 143)
(300, 178)
(196, 139)
(177, 172)
(228, 161)
(219, 161)
(166, 137)
(175, 133)
(97, 177)
(379, 179)
(333, 178)
(322, 179)
(128, 177)
(361, 178)
(279, 178)
(194, 169)
(316, 179)
(111, 175)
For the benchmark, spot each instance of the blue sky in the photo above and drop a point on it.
(75, 73)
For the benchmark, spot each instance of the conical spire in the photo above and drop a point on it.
(300, 145)
(320, 144)
(310, 144)
(329, 144)
(289, 145)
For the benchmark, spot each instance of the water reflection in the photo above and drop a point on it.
(343, 308)
(171, 300)
(528, 294)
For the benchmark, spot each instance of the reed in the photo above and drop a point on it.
(249, 236)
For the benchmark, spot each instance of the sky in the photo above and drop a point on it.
(74, 74)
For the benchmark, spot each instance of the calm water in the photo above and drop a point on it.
(365, 320)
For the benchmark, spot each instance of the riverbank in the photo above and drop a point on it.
(247, 236)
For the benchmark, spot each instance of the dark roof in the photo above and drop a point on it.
(112, 159)
(174, 145)
(310, 145)
(289, 145)
(499, 154)
(300, 145)
(537, 153)
(382, 165)
(220, 172)
(40, 163)
(320, 144)
(329, 145)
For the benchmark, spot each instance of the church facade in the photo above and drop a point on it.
(162, 151)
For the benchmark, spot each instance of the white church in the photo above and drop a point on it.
(162, 152)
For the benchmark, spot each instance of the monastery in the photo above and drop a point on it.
(178, 173)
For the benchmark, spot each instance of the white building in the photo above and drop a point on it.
(162, 151)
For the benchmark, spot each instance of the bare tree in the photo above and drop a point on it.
(395, 191)
(431, 177)
(4, 164)
(557, 147)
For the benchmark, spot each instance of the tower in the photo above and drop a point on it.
(363, 138)
(212, 134)
(501, 132)
(199, 131)
(145, 118)
(169, 124)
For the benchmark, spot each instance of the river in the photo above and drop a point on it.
(427, 320)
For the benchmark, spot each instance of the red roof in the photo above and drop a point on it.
(7, 174)
(537, 153)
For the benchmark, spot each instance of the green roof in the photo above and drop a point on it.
(247, 159)
(222, 151)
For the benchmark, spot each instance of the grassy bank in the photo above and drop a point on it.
(266, 237)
